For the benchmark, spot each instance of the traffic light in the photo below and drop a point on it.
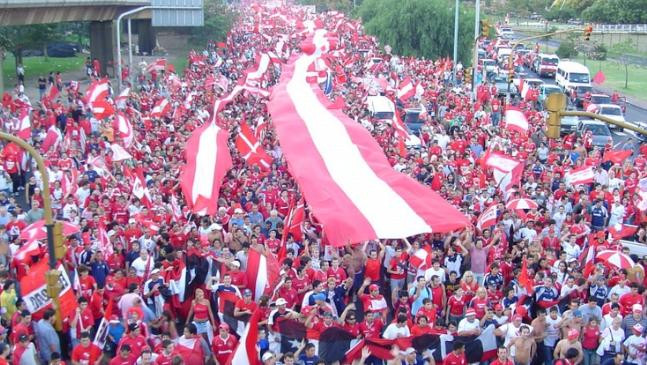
(587, 32)
(54, 290)
(555, 104)
(468, 75)
(485, 29)
(59, 241)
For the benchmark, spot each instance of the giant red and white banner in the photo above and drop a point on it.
(580, 175)
(33, 289)
(343, 172)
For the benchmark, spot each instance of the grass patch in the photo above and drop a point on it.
(615, 77)
(37, 66)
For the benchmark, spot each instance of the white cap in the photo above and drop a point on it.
(238, 211)
(281, 301)
(267, 356)
(637, 308)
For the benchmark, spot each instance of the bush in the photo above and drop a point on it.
(599, 52)
(566, 50)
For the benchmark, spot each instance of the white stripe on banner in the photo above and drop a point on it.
(205, 162)
(346, 165)
(261, 276)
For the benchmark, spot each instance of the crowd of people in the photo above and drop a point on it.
(527, 274)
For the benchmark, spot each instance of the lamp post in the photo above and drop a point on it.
(456, 7)
(53, 275)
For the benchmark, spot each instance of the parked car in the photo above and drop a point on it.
(599, 130)
(63, 49)
(501, 84)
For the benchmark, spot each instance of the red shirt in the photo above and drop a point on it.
(371, 330)
(456, 305)
(372, 269)
(453, 359)
(88, 354)
(590, 337)
(223, 348)
(497, 362)
(130, 360)
(136, 344)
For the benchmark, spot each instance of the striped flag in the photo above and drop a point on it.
(262, 273)
(246, 352)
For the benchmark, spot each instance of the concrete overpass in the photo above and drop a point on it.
(100, 14)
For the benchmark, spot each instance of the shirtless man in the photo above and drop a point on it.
(539, 330)
(571, 342)
(525, 347)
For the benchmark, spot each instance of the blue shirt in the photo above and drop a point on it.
(100, 271)
(305, 360)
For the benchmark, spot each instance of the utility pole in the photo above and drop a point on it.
(455, 39)
(477, 21)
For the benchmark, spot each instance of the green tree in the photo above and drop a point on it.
(421, 28)
(218, 20)
(566, 49)
(16, 39)
(624, 49)
(617, 11)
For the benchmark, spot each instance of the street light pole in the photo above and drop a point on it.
(455, 39)
(477, 21)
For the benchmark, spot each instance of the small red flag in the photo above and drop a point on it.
(616, 156)
(599, 78)
(524, 279)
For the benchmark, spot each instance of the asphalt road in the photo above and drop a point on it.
(621, 140)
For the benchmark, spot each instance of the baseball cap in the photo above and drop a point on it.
(573, 334)
(638, 328)
(114, 319)
(319, 296)
(238, 211)
(517, 317)
(224, 326)
(133, 326)
(409, 351)
(470, 312)
(637, 308)
(281, 301)
(247, 293)
(236, 263)
(267, 356)
(498, 307)
(23, 338)
(373, 287)
(577, 313)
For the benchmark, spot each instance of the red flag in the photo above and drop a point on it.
(98, 90)
(33, 290)
(102, 331)
(262, 273)
(292, 225)
(158, 65)
(123, 129)
(52, 93)
(207, 162)
(617, 156)
(620, 231)
(487, 218)
(524, 279)
(599, 78)
(250, 149)
(52, 138)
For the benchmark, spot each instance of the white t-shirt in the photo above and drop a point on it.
(552, 331)
(139, 265)
(465, 325)
(392, 332)
(431, 272)
(634, 355)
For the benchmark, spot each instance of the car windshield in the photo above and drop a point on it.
(552, 90)
(600, 99)
(611, 111)
(549, 61)
(584, 89)
(579, 78)
(597, 130)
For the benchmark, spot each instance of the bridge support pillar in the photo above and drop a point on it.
(103, 45)
(145, 36)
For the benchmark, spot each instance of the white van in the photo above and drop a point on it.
(380, 107)
(572, 74)
(503, 55)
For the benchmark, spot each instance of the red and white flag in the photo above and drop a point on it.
(515, 120)
(208, 160)
(251, 149)
(420, 259)
(123, 129)
(487, 218)
(263, 64)
(158, 65)
(69, 182)
(246, 351)
(104, 241)
(175, 208)
(27, 250)
(52, 138)
(33, 288)
(98, 90)
(262, 273)
(119, 153)
(123, 96)
(580, 175)
(620, 231)
(406, 89)
(340, 168)
(102, 109)
(24, 124)
(161, 108)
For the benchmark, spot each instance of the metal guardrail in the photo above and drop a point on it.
(597, 28)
